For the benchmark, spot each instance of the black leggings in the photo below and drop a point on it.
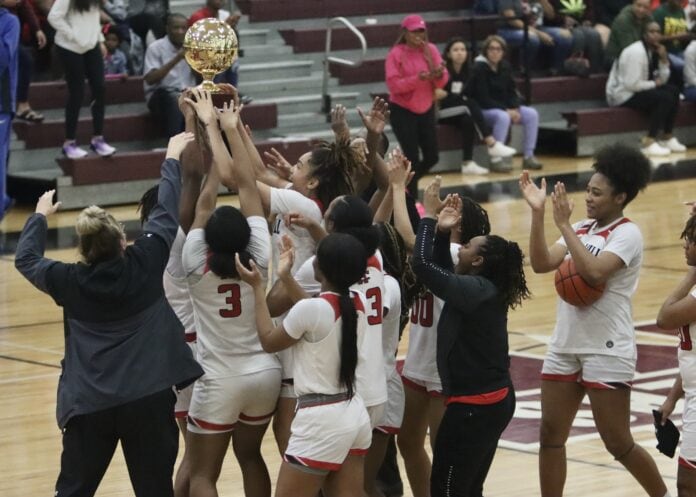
(416, 133)
(472, 125)
(78, 66)
(661, 104)
(465, 446)
(24, 72)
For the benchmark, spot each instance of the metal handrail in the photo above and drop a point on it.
(326, 98)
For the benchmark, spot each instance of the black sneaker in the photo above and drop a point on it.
(531, 163)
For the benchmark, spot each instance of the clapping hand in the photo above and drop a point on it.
(451, 214)
(286, 257)
(562, 205)
(534, 195)
(339, 125)
(399, 168)
(431, 198)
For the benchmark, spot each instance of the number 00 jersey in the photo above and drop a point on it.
(228, 344)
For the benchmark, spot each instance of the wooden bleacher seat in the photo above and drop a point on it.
(276, 10)
(304, 40)
(127, 127)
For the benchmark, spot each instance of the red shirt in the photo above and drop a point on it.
(201, 13)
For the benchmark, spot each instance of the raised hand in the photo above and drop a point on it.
(286, 257)
(229, 89)
(178, 143)
(534, 195)
(297, 219)
(562, 205)
(375, 120)
(203, 105)
(185, 107)
(339, 125)
(431, 197)
(449, 217)
(45, 204)
(229, 116)
(250, 277)
(278, 164)
(399, 168)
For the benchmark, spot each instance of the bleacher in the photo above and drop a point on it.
(282, 69)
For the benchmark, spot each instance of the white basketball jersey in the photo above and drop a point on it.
(317, 323)
(175, 287)
(228, 344)
(371, 381)
(687, 354)
(391, 322)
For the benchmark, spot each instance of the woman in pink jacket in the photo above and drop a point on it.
(414, 69)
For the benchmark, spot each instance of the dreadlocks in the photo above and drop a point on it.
(474, 220)
(503, 265)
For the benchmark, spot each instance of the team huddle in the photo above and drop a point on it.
(289, 309)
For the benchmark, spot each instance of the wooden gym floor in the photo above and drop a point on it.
(31, 347)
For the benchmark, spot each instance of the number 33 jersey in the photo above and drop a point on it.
(228, 344)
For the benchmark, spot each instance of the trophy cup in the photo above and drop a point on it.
(210, 47)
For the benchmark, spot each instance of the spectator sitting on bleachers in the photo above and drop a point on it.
(167, 74)
(690, 11)
(587, 41)
(605, 11)
(493, 87)
(675, 35)
(627, 28)
(638, 80)
(690, 72)
(559, 39)
(456, 109)
(115, 62)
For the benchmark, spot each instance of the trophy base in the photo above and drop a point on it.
(209, 86)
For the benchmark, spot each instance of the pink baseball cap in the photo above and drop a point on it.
(414, 22)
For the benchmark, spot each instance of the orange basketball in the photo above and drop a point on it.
(572, 288)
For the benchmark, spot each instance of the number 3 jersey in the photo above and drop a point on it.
(228, 344)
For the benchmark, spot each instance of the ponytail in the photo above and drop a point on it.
(349, 341)
(342, 260)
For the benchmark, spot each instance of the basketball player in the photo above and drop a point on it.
(592, 350)
(237, 395)
(331, 429)
(679, 313)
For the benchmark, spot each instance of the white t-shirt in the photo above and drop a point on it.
(286, 201)
(421, 357)
(316, 323)
(687, 354)
(371, 380)
(175, 286)
(228, 344)
(605, 327)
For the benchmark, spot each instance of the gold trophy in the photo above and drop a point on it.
(210, 47)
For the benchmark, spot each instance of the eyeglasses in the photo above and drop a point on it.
(494, 49)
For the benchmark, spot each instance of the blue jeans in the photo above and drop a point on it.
(561, 49)
(690, 93)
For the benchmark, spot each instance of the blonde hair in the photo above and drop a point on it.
(100, 235)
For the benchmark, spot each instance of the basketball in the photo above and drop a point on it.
(572, 288)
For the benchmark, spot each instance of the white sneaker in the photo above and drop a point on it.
(470, 167)
(655, 149)
(673, 145)
(501, 150)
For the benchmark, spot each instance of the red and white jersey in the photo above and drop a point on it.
(286, 201)
(175, 287)
(371, 380)
(687, 354)
(605, 327)
(390, 323)
(228, 344)
(420, 363)
(316, 323)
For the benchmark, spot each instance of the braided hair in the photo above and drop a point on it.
(397, 264)
(474, 220)
(503, 265)
(147, 203)
(333, 165)
(342, 260)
